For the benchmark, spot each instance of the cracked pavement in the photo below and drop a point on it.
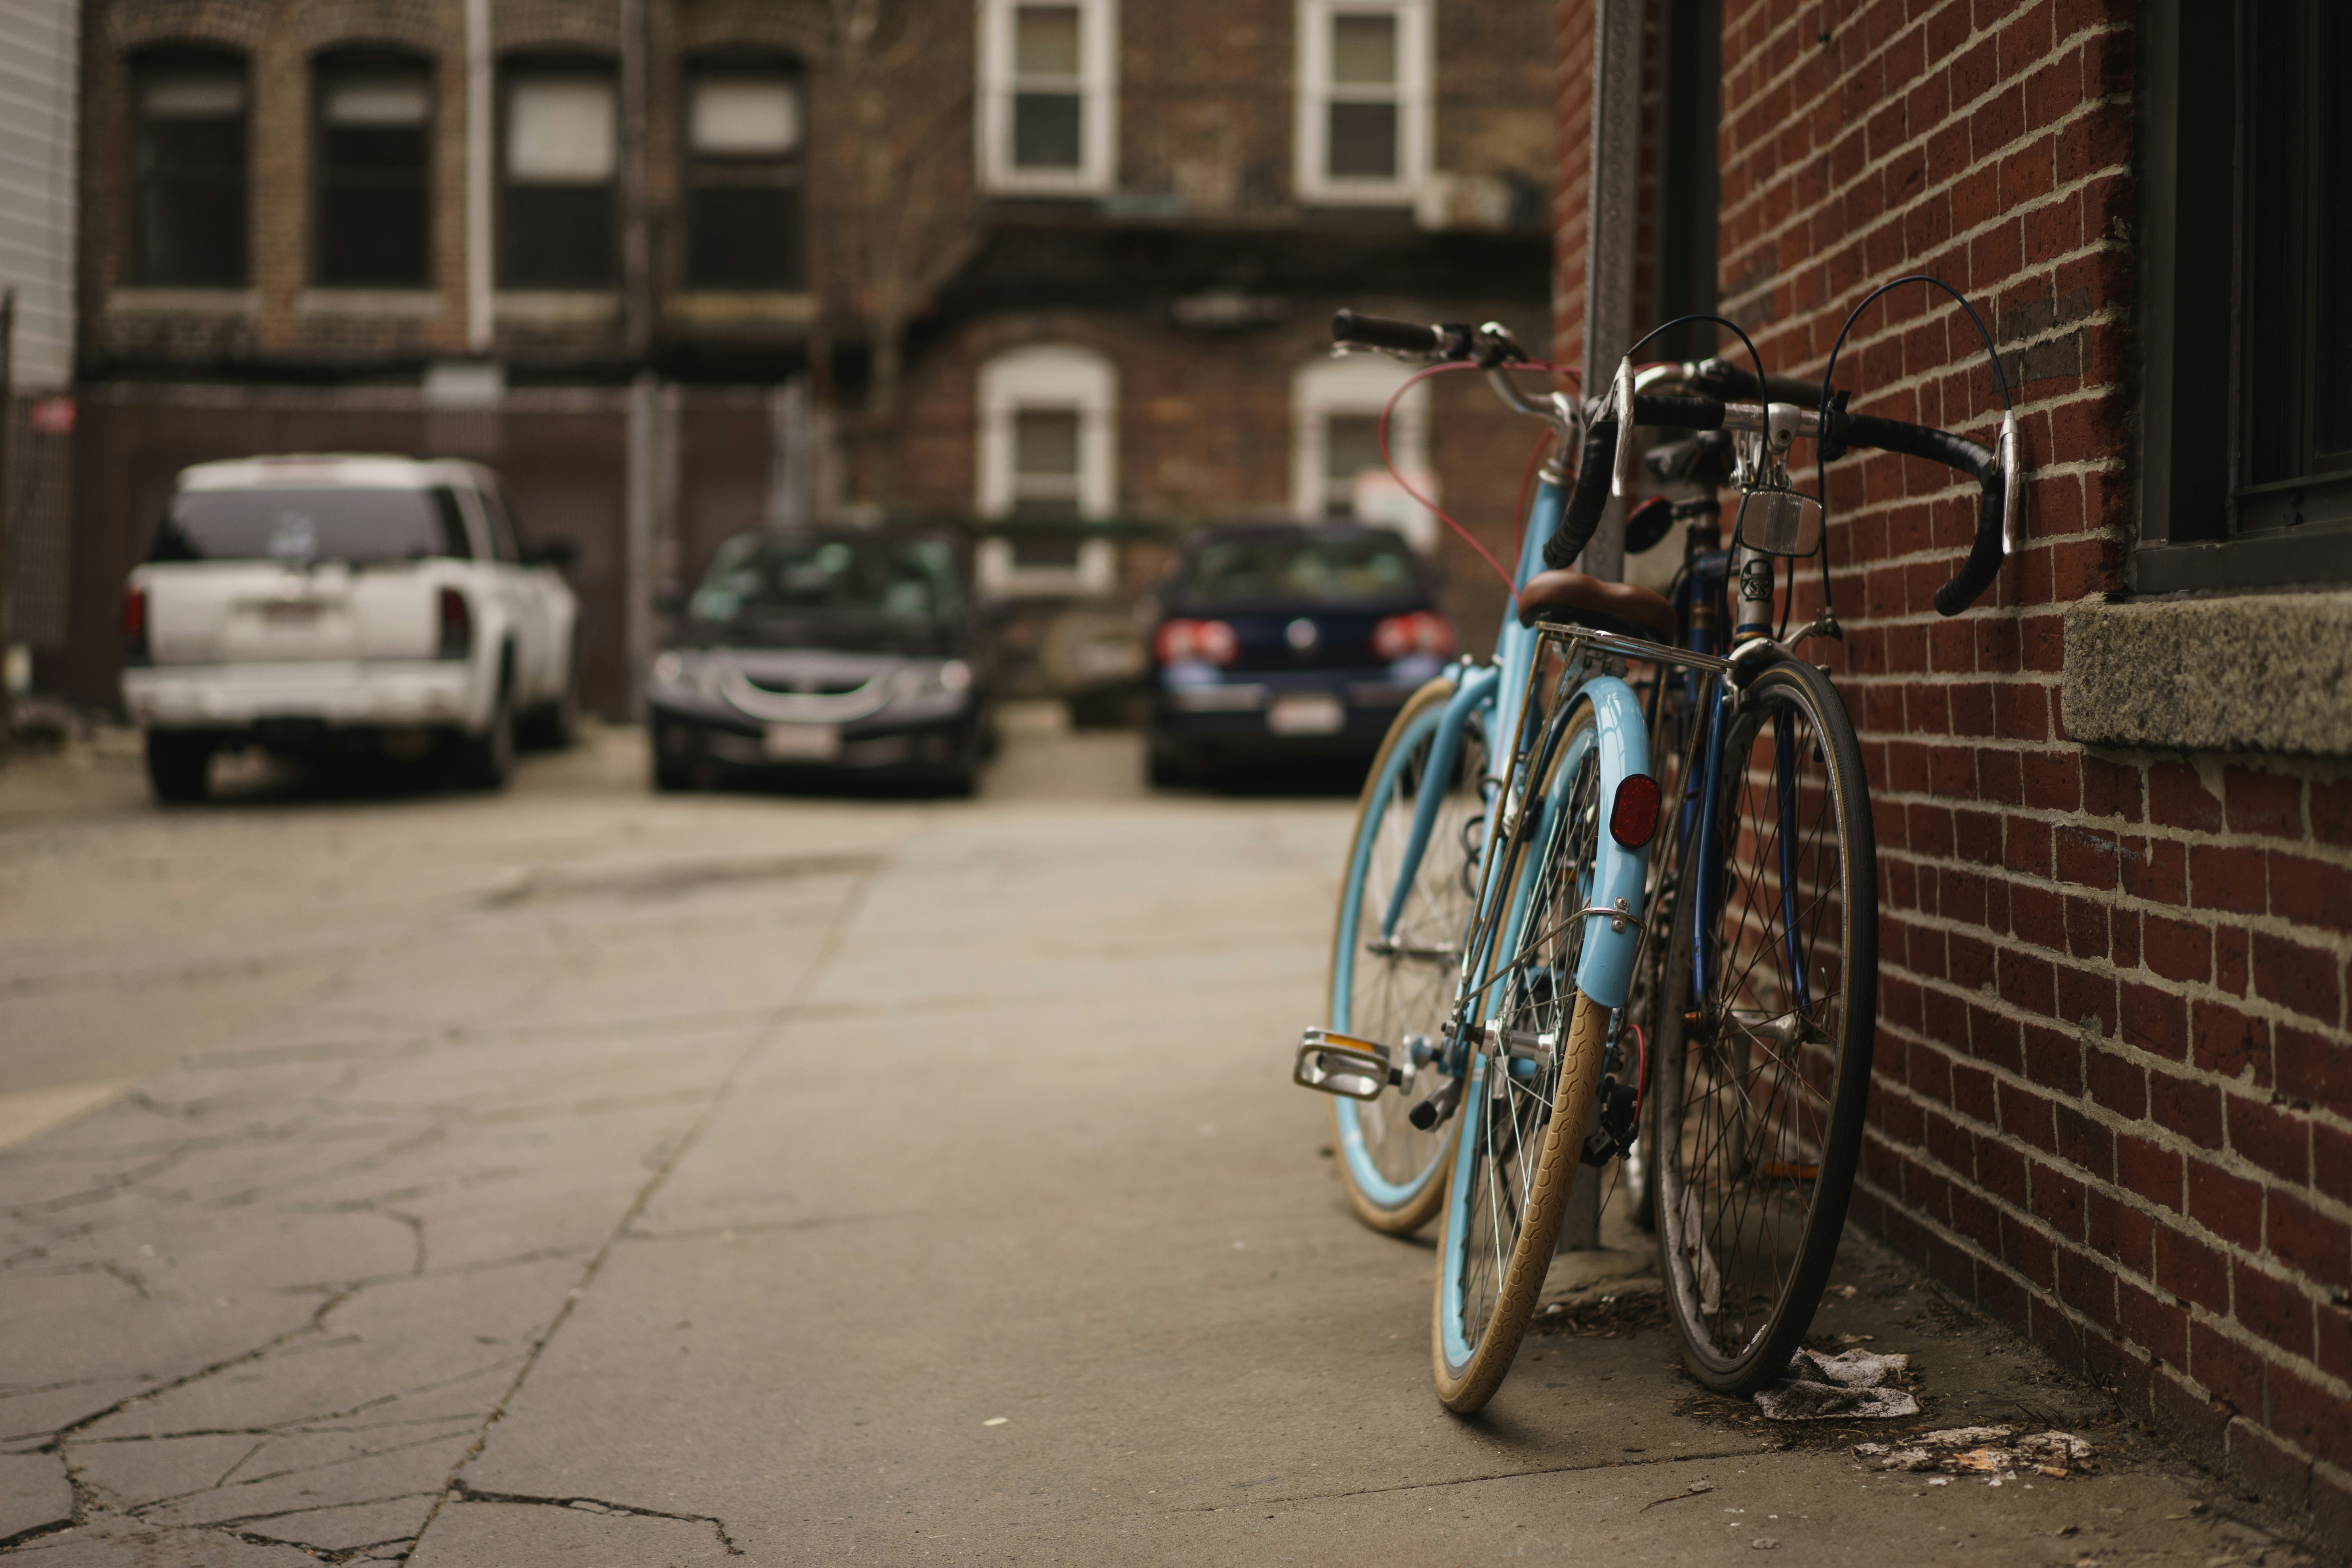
(577, 1176)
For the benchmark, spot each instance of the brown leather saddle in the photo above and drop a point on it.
(1567, 596)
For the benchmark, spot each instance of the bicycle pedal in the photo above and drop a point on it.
(1342, 1064)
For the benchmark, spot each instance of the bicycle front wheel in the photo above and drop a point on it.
(1394, 982)
(1761, 1068)
(1531, 1084)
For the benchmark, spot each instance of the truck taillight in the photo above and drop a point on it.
(1208, 642)
(135, 624)
(1422, 631)
(456, 625)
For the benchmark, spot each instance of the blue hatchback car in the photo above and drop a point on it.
(1289, 640)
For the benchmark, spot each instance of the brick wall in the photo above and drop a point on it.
(2114, 1079)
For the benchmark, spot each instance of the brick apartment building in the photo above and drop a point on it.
(2114, 1076)
(1060, 270)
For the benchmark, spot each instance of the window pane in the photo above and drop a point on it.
(1351, 443)
(559, 131)
(301, 525)
(1364, 51)
(2332, 414)
(1363, 141)
(189, 201)
(744, 237)
(373, 101)
(1045, 443)
(1045, 130)
(1045, 41)
(560, 237)
(193, 95)
(373, 236)
(744, 117)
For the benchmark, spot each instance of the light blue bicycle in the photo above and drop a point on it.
(1496, 926)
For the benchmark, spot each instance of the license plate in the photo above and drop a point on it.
(803, 743)
(1309, 715)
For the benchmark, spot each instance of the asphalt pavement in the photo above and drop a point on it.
(580, 1176)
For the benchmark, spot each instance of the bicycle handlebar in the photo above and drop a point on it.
(1997, 473)
(1399, 337)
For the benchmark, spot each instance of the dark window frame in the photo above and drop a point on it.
(140, 260)
(2209, 516)
(380, 60)
(513, 70)
(787, 177)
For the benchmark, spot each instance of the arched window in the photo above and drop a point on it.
(190, 108)
(372, 227)
(1335, 454)
(746, 129)
(559, 166)
(1048, 452)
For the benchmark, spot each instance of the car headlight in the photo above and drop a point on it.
(691, 672)
(949, 678)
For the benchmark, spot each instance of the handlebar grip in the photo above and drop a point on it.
(1983, 565)
(1740, 383)
(1386, 332)
(1590, 497)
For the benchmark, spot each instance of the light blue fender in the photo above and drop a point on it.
(1605, 970)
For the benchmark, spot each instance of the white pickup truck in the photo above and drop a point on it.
(334, 604)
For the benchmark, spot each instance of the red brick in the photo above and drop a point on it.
(2225, 877)
(2227, 1206)
(2276, 1138)
(2025, 1113)
(2311, 892)
(2113, 789)
(2331, 812)
(2084, 856)
(2115, 1083)
(2301, 978)
(2225, 1041)
(2315, 1068)
(2155, 870)
(2229, 958)
(2272, 1307)
(2155, 1019)
(2177, 797)
(2309, 1417)
(2058, 1201)
(2185, 1106)
(2176, 949)
(2305, 1239)
(2159, 1326)
(2264, 802)
(2229, 1372)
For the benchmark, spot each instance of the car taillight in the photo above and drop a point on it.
(456, 625)
(1634, 817)
(134, 622)
(1421, 632)
(1206, 642)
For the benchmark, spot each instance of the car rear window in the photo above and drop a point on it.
(300, 526)
(1272, 566)
(876, 576)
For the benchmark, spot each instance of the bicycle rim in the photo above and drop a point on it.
(1522, 1130)
(1762, 1087)
(1389, 986)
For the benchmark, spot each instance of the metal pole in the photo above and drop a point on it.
(639, 481)
(482, 139)
(1613, 196)
(636, 304)
(7, 513)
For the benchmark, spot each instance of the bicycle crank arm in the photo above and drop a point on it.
(1430, 1113)
(1389, 947)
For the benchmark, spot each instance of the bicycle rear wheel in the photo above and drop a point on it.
(1760, 1087)
(1531, 1093)
(1397, 986)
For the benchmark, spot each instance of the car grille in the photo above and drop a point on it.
(807, 707)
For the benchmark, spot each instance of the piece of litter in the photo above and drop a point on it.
(1855, 1339)
(1702, 1485)
(1850, 1385)
(1847, 1291)
(1692, 1490)
(996, 1420)
(1966, 1437)
(1940, 1480)
(1763, 1543)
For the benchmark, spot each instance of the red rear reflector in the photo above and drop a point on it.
(456, 625)
(134, 614)
(1633, 818)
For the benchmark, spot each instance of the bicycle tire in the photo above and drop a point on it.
(1503, 1211)
(1393, 1172)
(1760, 1108)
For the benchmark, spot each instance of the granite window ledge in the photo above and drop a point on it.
(2259, 672)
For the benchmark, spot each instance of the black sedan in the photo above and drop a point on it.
(825, 651)
(1289, 640)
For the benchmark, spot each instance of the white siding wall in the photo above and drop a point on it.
(38, 76)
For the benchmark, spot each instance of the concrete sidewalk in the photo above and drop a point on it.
(583, 1178)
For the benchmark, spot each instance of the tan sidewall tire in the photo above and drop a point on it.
(1402, 1221)
(1538, 1238)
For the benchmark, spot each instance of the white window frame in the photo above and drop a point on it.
(1416, 58)
(1098, 171)
(1362, 383)
(1047, 376)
